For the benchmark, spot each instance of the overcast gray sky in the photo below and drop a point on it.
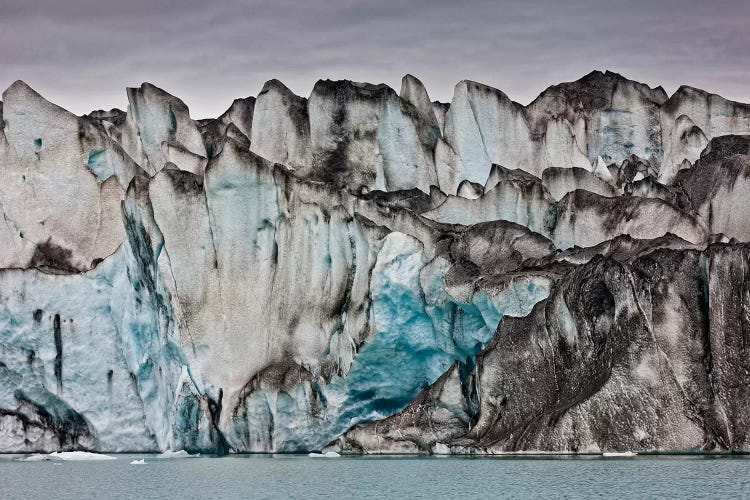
(81, 54)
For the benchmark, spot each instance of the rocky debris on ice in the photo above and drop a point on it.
(609, 332)
(561, 181)
(718, 183)
(61, 184)
(488, 277)
(690, 119)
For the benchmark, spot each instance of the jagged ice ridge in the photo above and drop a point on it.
(373, 272)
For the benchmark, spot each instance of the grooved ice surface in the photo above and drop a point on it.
(374, 272)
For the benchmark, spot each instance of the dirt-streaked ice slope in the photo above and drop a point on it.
(371, 271)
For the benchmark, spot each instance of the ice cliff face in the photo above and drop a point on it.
(373, 271)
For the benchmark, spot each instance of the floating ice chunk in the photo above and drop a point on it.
(441, 449)
(36, 457)
(328, 454)
(141, 461)
(79, 456)
(619, 454)
(177, 454)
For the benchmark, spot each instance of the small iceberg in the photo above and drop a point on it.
(328, 454)
(36, 457)
(177, 454)
(619, 454)
(78, 456)
(141, 461)
(441, 449)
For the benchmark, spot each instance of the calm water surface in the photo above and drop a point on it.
(367, 477)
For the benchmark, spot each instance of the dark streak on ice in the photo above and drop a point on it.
(58, 353)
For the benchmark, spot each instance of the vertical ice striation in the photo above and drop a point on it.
(689, 119)
(365, 136)
(375, 271)
(280, 126)
(421, 332)
(158, 129)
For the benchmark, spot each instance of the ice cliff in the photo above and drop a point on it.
(375, 272)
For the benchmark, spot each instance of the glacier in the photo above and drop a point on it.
(366, 271)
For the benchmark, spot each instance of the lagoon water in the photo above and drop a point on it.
(379, 477)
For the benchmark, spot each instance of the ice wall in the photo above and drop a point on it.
(374, 270)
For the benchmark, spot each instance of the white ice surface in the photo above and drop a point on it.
(76, 456)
